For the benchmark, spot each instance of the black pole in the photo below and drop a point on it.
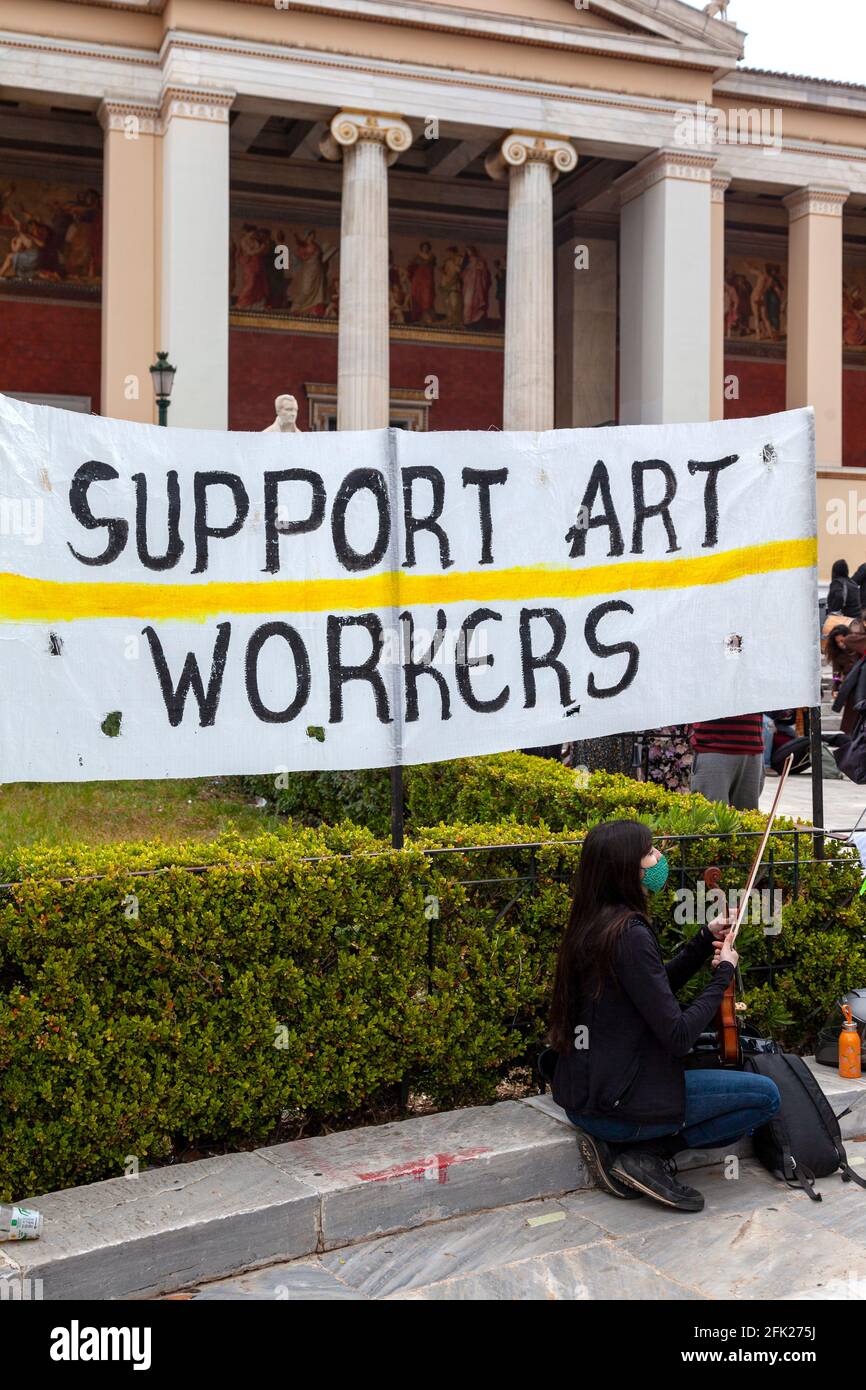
(162, 407)
(815, 747)
(396, 808)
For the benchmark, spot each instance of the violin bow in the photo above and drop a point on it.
(756, 862)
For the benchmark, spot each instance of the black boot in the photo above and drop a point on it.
(654, 1176)
(668, 1146)
(598, 1157)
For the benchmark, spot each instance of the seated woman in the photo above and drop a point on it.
(621, 1035)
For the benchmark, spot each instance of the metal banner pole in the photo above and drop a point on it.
(397, 635)
(396, 808)
(815, 747)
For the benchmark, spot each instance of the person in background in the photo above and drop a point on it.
(728, 763)
(859, 578)
(778, 721)
(847, 647)
(842, 654)
(843, 595)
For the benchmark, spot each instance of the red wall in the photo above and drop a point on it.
(55, 349)
(264, 364)
(470, 383)
(761, 388)
(762, 391)
(854, 416)
(51, 349)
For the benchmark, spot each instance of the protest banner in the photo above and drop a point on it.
(180, 603)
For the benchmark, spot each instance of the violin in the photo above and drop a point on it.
(727, 1024)
(727, 1021)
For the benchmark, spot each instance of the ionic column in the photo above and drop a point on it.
(194, 326)
(814, 370)
(665, 289)
(531, 163)
(719, 186)
(367, 145)
(130, 305)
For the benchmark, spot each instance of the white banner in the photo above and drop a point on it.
(179, 602)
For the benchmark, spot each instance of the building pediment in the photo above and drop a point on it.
(670, 30)
(671, 20)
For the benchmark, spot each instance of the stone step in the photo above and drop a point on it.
(171, 1228)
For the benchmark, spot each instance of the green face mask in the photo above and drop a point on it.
(656, 876)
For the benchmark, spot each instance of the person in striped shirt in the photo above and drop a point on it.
(728, 760)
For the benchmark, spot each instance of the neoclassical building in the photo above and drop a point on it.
(464, 215)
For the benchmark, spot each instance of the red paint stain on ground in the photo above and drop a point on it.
(421, 1168)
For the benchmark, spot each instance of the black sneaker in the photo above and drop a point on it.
(598, 1157)
(653, 1176)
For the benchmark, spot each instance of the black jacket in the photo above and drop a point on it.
(843, 596)
(853, 688)
(637, 1032)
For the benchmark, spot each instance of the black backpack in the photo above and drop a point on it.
(803, 1140)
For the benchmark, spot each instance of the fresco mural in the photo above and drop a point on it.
(756, 301)
(50, 238)
(436, 284)
(854, 306)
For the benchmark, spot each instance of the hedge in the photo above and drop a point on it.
(482, 790)
(155, 997)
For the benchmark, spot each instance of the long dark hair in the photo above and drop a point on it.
(841, 658)
(608, 891)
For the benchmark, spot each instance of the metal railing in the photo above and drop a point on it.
(687, 868)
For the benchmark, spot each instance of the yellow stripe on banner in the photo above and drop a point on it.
(48, 600)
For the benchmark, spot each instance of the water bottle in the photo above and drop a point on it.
(20, 1223)
(849, 1047)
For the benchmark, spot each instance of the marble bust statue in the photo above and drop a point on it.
(286, 421)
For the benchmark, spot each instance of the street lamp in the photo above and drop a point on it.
(162, 376)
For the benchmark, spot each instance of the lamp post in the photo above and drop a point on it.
(162, 376)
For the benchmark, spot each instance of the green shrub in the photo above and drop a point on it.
(142, 1002)
(154, 997)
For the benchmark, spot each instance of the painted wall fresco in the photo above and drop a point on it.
(756, 301)
(50, 238)
(854, 306)
(433, 283)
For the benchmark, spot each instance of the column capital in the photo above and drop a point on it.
(116, 113)
(526, 147)
(690, 166)
(195, 104)
(720, 182)
(377, 127)
(822, 200)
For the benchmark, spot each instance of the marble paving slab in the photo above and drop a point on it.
(598, 1271)
(756, 1238)
(470, 1245)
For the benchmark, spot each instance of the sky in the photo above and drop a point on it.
(815, 38)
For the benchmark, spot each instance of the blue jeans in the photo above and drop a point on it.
(721, 1106)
